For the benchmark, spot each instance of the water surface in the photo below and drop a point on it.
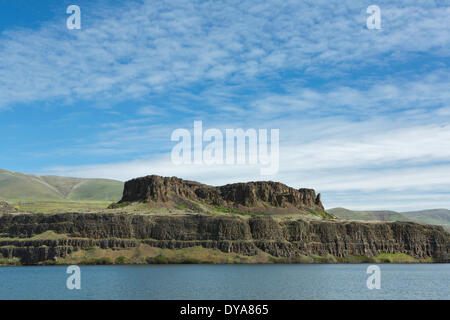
(342, 281)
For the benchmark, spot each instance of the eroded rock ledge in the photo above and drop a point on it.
(251, 194)
(284, 238)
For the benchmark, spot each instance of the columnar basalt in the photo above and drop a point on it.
(246, 195)
(279, 238)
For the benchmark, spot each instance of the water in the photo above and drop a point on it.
(411, 281)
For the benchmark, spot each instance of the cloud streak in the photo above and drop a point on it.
(151, 46)
(363, 114)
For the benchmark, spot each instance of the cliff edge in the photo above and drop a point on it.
(78, 238)
(260, 196)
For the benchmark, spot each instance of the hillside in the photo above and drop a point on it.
(382, 215)
(432, 216)
(20, 186)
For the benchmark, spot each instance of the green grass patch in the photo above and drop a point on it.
(356, 259)
(121, 260)
(49, 235)
(322, 214)
(97, 261)
(231, 210)
(59, 206)
(115, 205)
(395, 258)
(10, 262)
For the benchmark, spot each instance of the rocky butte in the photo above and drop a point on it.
(170, 220)
(261, 196)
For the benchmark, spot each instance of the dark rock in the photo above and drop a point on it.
(285, 238)
(245, 196)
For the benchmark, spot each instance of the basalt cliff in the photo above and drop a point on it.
(261, 196)
(246, 235)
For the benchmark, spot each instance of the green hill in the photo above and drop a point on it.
(432, 216)
(382, 215)
(19, 186)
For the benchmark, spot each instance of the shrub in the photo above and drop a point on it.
(160, 259)
(121, 260)
(181, 206)
(97, 261)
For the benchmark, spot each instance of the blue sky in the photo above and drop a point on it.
(363, 114)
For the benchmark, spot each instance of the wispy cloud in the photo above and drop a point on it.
(153, 46)
(364, 115)
(398, 160)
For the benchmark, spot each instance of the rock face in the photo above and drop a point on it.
(285, 238)
(249, 195)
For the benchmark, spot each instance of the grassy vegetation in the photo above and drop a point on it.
(356, 259)
(47, 235)
(115, 205)
(26, 187)
(181, 206)
(59, 206)
(367, 215)
(121, 260)
(395, 258)
(434, 216)
(145, 254)
(97, 190)
(300, 259)
(10, 262)
(230, 210)
(322, 214)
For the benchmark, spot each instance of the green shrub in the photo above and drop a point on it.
(10, 262)
(322, 214)
(160, 259)
(121, 260)
(181, 206)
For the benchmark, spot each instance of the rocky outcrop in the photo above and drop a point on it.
(5, 207)
(249, 195)
(279, 238)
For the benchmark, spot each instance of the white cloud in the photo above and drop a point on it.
(381, 98)
(143, 48)
(149, 111)
(375, 132)
(397, 161)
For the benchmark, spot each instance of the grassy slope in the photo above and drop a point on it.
(59, 206)
(18, 186)
(367, 215)
(97, 189)
(433, 216)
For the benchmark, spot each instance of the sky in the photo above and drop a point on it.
(363, 114)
